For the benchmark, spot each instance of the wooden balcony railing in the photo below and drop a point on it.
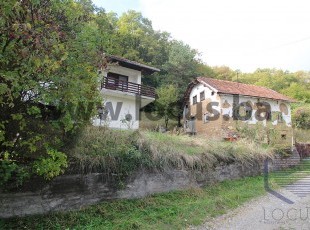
(129, 87)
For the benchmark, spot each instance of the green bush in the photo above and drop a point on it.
(114, 152)
(51, 166)
(301, 117)
(11, 172)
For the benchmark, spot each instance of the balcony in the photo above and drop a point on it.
(128, 87)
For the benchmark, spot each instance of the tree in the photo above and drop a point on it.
(298, 91)
(301, 117)
(224, 73)
(180, 69)
(48, 82)
(166, 104)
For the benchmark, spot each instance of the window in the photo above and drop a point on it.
(202, 95)
(117, 81)
(195, 100)
(212, 93)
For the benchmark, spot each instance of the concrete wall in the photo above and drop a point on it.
(276, 106)
(121, 104)
(133, 75)
(68, 192)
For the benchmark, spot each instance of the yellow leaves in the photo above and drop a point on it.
(15, 26)
(28, 26)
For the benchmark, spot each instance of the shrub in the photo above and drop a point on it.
(114, 152)
(11, 172)
(51, 166)
(301, 117)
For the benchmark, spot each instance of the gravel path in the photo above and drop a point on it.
(270, 212)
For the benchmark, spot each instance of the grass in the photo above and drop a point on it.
(149, 121)
(302, 135)
(173, 210)
(122, 152)
(199, 152)
(290, 175)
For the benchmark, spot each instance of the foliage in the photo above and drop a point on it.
(47, 74)
(181, 68)
(51, 166)
(295, 85)
(301, 117)
(263, 135)
(302, 135)
(114, 152)
(11, 172)
(166, 103)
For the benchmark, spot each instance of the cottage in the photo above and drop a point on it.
(214, 108)
(122, 92)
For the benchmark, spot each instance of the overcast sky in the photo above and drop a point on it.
(241, 34)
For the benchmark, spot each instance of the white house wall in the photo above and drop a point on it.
(197, 89)
(274, 105)
(133, 75)
(128, 106)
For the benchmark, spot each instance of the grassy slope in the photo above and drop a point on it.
(121, 152)
(174, 210)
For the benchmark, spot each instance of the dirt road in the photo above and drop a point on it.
(270, 212)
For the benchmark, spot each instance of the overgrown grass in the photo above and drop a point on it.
(121, 152)
(174, 210)
(199, 152)
(302, 135)
(150, 121)
(105, 150)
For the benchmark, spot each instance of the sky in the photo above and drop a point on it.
(241, 34)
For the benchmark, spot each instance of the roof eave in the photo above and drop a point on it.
(133, 64)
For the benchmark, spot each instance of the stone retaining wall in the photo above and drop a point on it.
(68, 192)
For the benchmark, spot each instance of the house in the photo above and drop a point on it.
(216, 107)
(123, 93)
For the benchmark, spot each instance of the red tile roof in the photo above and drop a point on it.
(229, 87)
